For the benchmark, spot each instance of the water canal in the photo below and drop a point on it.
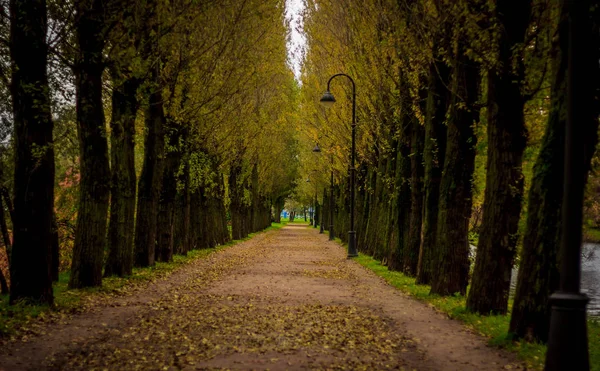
(590, 277)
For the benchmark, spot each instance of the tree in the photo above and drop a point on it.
(433, 155)
(94, 190)
(34, 154)
(122, 210)
(124, 108)
(507, 138)
(149, 183)
(450, 263)
(538, 269)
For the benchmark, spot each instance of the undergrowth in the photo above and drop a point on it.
(592, 235)
(14, 316)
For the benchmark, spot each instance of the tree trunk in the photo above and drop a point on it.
(182, 213)
(6, 240)
(411, 251)
(507, 138)
(255, 207)
(149, 185)
(278, 207)
(236, 208)
(166, 213)
(195, 219)
(226, 236)
(403, 170)
(34, 155)
(3, 284)
(94, 187)
(433, 156)
(4, 230)
(451, 263)
(122, 202)
(6, 197)
(538, 270)
(54, 250)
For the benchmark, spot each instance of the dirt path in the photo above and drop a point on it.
(286, 299)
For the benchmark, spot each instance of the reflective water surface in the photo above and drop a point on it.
(590, 277)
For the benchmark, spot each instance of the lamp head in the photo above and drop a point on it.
(316, 149)
(327, 99)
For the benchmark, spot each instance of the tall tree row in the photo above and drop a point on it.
(538, 269)
(155, 103)
(452, 106)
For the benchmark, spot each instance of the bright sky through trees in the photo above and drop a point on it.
(297, 40)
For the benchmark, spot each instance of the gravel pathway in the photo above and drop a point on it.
(287, 299)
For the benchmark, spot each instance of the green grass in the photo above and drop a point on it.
(15, 316)
(592, 235)
(493, 327)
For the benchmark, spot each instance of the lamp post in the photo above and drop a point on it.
(315, 213)
(567, 338)
(317, 150)
(311, 210)
(331, 204)
(322, 217)
(328, 99)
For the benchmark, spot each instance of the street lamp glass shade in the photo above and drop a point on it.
(317, 149)
(327, 99)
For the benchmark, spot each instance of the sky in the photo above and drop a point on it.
(297, 42)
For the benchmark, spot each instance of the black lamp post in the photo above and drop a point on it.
(321, 228)
(317, 150)
(328, 99)
(567, 340)
(331, 204)
(322, 216)
(311, 210)
(315, 213)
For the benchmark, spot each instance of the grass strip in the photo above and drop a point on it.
(494, 327)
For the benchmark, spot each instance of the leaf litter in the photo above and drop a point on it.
(267, 303)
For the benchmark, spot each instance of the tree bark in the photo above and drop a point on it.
(278, 208)
(182, 213)
(4, 230)
(9, 205)
(6, 240)
(149, 185)
(166, 213)
(34, 155)
(507, 137)
(196, 218)
(451, 264)
(411, 251)
(538, 270)
(122, 202)
(433, 155)
(403, 169)
(236, 208)
(54, 250)
(226, 236)
(3, 284)
(94, 187)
